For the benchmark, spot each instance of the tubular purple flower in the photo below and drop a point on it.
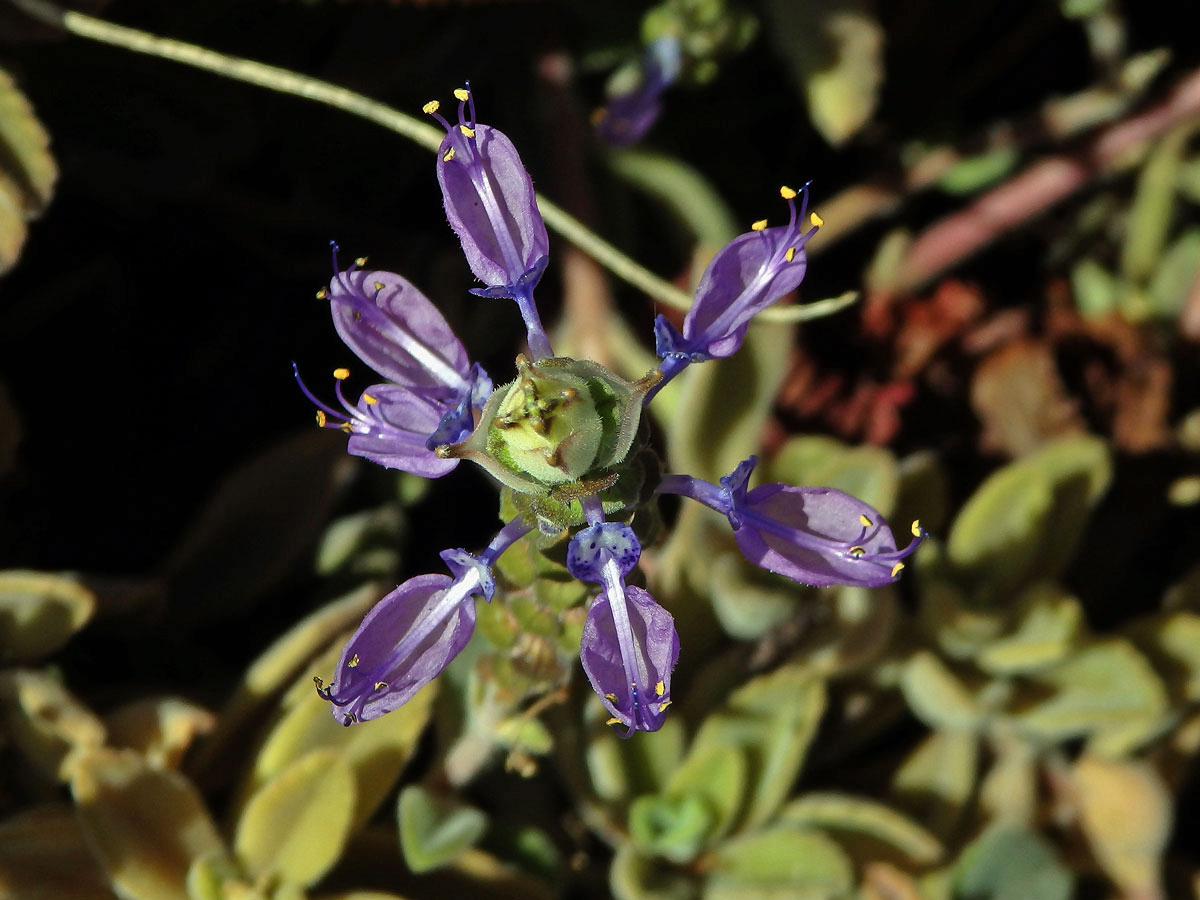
(491, 205)
(749, 274)
(398, 332)
(629, 115)
(814, 535)
(629, 646)
(412, 634)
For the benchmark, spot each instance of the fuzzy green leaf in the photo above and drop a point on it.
(432, 832)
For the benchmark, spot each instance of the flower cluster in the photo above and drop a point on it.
(566, 442)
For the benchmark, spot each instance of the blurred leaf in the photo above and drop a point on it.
(959, 630)
(161, 730)
(681, 189)
(675, 828)
(524, 733)
(296, 825)
(1082, 9)
(47, 723)
(846, 813)
(859, 630)
(1172, 281)
(43, 856)
(1049, 622)
(255, 527)
(1188, 179)
(432, 832)
(27, 170)
(998, 529)
(363, 543)
(714, 434)
(869, 473)
(39, 612)
(1174, 643)
(637, 877)
(621, 769)
(1027, 518)
(747, 602)
(1017, 393)
(835, 52)
(937, 779)
(1106, 685)
(1097, 291)
(937, 696)
(375, 755)
(145, 824)
(1150, 214)
(1126, 814)
(1009, 793)
(779, 862)
(1009, 863)
(772, 719)
(973, 173)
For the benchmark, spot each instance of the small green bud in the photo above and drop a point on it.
(562, 427)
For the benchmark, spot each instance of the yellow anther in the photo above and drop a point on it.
(341, 374)
(369, 400)
(319, 682)
(613, 721)
(660, 689)
(448, 155)
(322, 294)
(790, 255)
(857, 552)
(353, 661)
(380, 685)
(361, 261)
(461, 94)
(786, 192)
(431, 107)
(351, 718)
(321, 418)
(346, 428)
(467, 130)
(611, 698)
(759, 225)
(664, 705)
(916, 527)
(816, 220)
(379, 285)
(866, 522)
(896, 569)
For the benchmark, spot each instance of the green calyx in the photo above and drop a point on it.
(560, 431)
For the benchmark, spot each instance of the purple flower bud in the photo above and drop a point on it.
(629, 115)
(413, 633)
(629, 649)
(814, 535)
(629, 646)
(490, 203)
(748, 275)
(404, 642)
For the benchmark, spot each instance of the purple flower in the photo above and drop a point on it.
(404, 642)
(629, 646)
(748, 275)
(814, 535)
(413, 633)
(629, 115)
(490, 203)
(394, 329)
